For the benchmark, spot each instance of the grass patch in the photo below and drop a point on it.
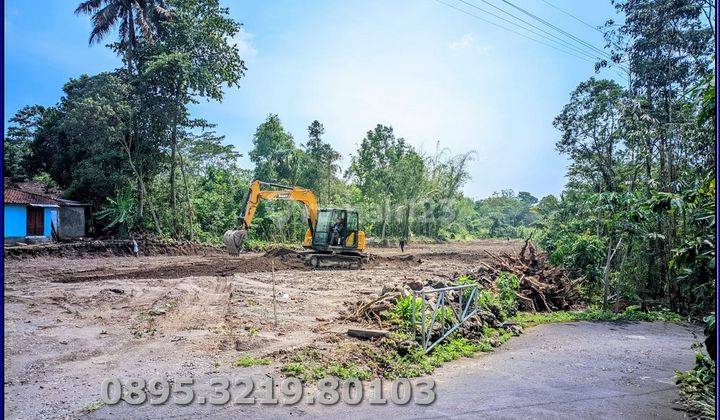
(347, 370)
(313, 370)
(247, 361)
(632, 313)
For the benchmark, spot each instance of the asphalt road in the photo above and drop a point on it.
(569, 370)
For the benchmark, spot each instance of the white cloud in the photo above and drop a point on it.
(243, 40)
(465, 41)
(468, 41)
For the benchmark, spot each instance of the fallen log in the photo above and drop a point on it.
(366, 334)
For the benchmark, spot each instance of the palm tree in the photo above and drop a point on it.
(129, 14)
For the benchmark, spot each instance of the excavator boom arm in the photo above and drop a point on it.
(281, 192)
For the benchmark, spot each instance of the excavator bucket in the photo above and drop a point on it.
(234, 240)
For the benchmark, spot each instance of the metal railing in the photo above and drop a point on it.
(452, 306)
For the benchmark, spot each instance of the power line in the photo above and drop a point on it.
(572, 16)
(604, 55)
(521, 34)
(553, 26)
(596, 28)
(512, 30)
(550, 36)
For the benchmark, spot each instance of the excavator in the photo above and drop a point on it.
(333, 234)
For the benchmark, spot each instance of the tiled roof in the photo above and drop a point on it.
(16, 196)
(35, 192)
(37, 187)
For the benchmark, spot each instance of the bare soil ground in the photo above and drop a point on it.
(72, 322)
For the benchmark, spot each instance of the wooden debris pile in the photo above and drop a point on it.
(542, 286)
(371, 309)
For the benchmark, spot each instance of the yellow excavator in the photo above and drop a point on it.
(333, 234)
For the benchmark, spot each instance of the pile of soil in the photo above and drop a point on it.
(285, 259)
(110, 248)
(219, 266)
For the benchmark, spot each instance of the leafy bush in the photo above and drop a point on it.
(120, 212)
(697, 387)
(508, 284)
(488, 300)
(402, 313)
(583, 255)
(504, 302)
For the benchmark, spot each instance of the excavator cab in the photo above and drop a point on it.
(337, 240)
(336, 230)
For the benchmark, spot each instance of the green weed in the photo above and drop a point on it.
(245, 361)
(418, 363)
(347, 370)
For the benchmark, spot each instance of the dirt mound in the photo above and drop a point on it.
(109, 248)
(282, 252)
(216, 266)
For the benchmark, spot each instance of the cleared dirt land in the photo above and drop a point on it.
(72, 322)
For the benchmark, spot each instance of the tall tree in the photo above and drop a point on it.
(321, 166)
(192, 58)
(590, 125)
(274, 153)
(373, 166)
(408, 183)
(18, 140)
(129, 16)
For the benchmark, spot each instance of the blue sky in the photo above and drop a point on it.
(431, 72)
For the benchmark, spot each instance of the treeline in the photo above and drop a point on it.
(637, 217)
(125, 142)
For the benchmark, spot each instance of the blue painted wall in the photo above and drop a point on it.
(51, 215)
(15, 220)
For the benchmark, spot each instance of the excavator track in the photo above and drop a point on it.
(320, 261)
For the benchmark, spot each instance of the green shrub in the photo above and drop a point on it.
(584, 255)
(402, 313)
(697, 387)
(508, 284)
